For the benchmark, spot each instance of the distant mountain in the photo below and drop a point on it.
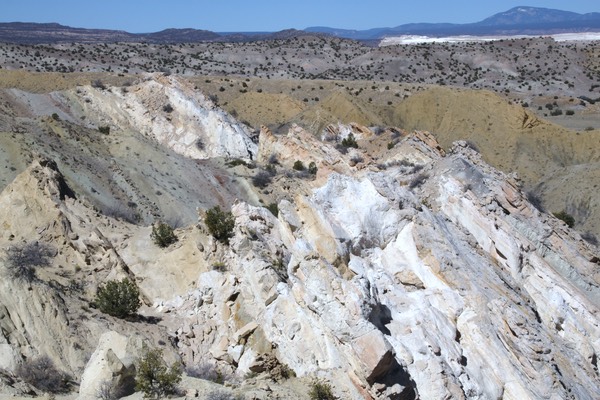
(34, 33)
(350, 33)
(516, 21)
(379, 33)
(24, 32)
(254, 36)
(530, 16)
(179, 35)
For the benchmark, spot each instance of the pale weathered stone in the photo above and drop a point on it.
(110, 367)
(439, 281)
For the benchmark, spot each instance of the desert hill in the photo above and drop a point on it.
(119, 148)
(557, 164)
(265, 108)
(386, 272)
(391, 231)
(528, 70)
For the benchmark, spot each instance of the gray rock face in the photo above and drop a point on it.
(455, 288)
(111, 367)
(174, 114)
(424, 275)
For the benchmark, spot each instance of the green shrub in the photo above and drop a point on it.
(162, 235)
(298, 165)
(274, 208)
(219, 266)
(312, 168)
(119, 299)
(565, 217)
(55, 117)
(350, 141)
(321, 391)
(153, 377)
(104, 129)
(220, 224)
(237, 161)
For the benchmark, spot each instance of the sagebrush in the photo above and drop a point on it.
(42, 374)
(320, 390)
(23, 259)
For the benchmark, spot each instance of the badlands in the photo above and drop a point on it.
(391, 240)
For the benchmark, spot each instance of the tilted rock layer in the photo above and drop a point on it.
(435, 282)
(394, 272)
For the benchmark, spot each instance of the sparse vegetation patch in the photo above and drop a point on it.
(418, 181)
(120, 299)
(163, 235)
(220, 224)
(565, 217)
(350, 141)
(42, 374)
(262, 179)
(22, 260)
(154, 377)
(320, 390)
(535, 200)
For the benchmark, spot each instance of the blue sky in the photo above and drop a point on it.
(262, 15)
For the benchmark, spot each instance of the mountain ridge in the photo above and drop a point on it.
(54, 33)
(520, 20)
(516, 21)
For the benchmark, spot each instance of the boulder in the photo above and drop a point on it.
(111, 368)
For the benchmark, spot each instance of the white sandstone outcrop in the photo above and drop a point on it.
(452, 289)
(412, 274)
(111, 366)
(173, 113)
